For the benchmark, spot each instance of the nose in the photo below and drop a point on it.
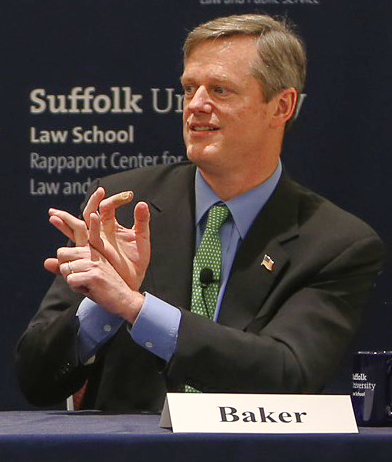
(200, 101)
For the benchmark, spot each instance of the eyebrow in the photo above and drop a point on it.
(212, 79)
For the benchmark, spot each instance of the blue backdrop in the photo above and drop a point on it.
(90, 87)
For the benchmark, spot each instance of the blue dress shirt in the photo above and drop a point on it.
(156, 326)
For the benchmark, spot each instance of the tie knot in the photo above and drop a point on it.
(217, 215)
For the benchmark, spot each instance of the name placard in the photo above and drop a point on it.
(251, 413)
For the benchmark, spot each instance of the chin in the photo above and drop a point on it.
(201, 153)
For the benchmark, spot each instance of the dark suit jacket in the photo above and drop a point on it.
(278, 331)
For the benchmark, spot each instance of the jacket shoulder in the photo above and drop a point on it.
(146, 179)
(316, 211)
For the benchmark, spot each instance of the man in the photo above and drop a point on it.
(293, 272)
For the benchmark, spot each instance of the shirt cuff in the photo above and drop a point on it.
(156, 327)
(96, 327)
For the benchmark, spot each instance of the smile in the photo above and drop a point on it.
(203, 128)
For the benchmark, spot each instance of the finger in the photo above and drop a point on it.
(77, 226)
(71, 267)
(88, 253)
(93, 204)
(76, 282)
(58, 223)
(96, 255)
(108, 206)
(52, 265)
(66, 269)
(65, 254)
(142, 220)
(95, 232)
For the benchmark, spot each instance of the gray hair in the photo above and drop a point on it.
(281, 55)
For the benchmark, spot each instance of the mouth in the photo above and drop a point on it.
(198, 127)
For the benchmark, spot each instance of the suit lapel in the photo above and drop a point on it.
(250, 280)
(173, 237)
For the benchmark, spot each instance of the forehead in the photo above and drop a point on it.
(222, 56)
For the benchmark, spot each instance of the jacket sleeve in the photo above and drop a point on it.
(47, 363)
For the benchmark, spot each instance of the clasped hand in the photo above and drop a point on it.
(109, 261)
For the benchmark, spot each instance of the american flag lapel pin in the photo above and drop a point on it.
(267, 262)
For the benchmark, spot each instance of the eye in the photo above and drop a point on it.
(188, 90)
(219, 89)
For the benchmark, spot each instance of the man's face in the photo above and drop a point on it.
(225, 118)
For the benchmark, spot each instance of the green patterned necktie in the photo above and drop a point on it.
(208, 255)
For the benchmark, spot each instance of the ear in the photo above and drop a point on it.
(284, 106)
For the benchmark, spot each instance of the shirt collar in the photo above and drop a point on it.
(243, 208)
